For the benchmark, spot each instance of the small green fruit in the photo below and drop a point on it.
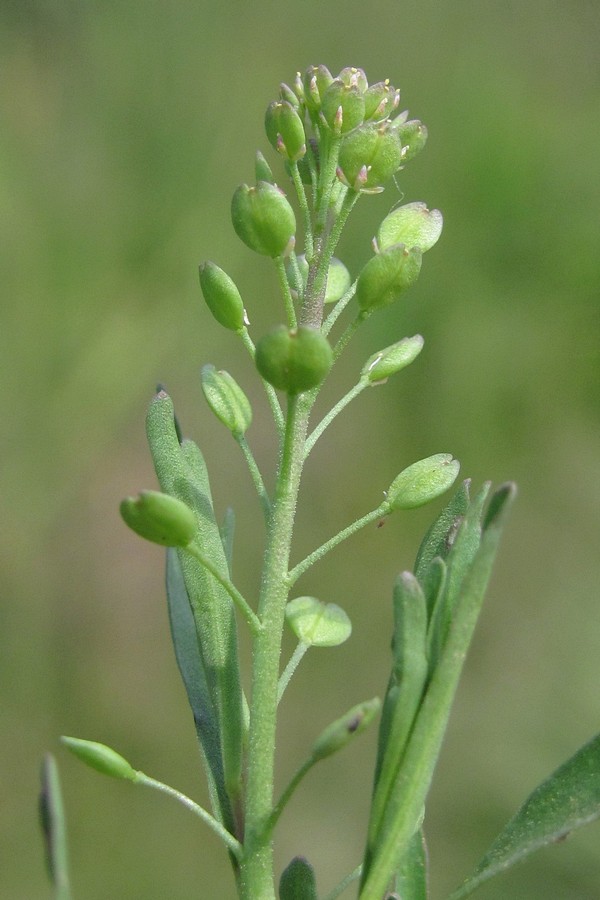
(222, 296)
(386, 276)
(412, 225)
(340, 732)
(380, 366)
(342, 107)
(100, 757)
(262, 169)
(381, 100)
(318, 624)
(412, 134)
(311, 87)
(294, 361)
(369, 157)
(263, 219)
(423, 481)
(227, 400)
(160, 518)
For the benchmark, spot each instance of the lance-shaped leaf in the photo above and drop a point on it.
(568, 799)
(411, 880)
(298, 881)
(52, 820)
(438, 538)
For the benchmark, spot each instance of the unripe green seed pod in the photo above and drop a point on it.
(294, 361)
(222, 296)
(412, 225)
(423, 481)
(340, 732)
(338, 278)
(413, 136)
(369, 157)
(386, 276)
(227, 400)
(160, 518)
(285, 130)
(353, 77)
(263, 219)
(387, 362)
(262, 169)
(100, 757)
(342, 107)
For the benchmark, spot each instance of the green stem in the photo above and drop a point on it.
(317, 554)
(270, 390)
(241, 603)
(301, 194)
(285, 797)
(232, 844)
(291, 667)
(347, 335)
(338, 309)
(346, 882)
(335, 411)
(255, 474)
(286, 293)
(256, 865)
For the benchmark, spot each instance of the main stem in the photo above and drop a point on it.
(256, 866)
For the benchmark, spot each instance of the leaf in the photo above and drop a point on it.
(193, 674)
(411, 880)
(436, 541)
(227, 532)
(52, 821)
(298, 881)
(568, 799)
(318, 624)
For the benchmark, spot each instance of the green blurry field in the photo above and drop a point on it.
(125, 130)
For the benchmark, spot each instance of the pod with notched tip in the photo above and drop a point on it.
(285, 130)
(386, 276)
(263, 219)
(342, 107)
(369, 157)
(394, 358)
(423, 481)
(294, 361)
(412, 225)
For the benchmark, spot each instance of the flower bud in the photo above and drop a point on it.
(286, 93)
(222, 296)
(412, 225)
(262, 169)
(338, 279)
(294, 361)
(160, 518)
(227, 400)
(352, 77)
(386, 276)
(342, 107)
(387, 362)
(100, 757)
(314, 83)
(423, 481)
(285, 130)
(340, 732)
(412, 134)
(369, 156)
(318, 624)
(263, 219)
(381, 100)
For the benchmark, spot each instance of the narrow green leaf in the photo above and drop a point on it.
(406, 801)
(411, 880)
(193, 673)
(568, 799)
(298, 881)
(227, 532)
(438, 539)
(54, 830)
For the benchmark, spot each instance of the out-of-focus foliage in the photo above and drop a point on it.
(126, 128)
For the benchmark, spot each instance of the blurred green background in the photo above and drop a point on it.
(126, 128)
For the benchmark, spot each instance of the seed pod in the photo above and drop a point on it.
(386, 276)
(340, 732)
(160, 518)
(423, 481)
(222, 296)
(263, 219)
(338, 278)
(380, 366)
(412, 134)
(100, 757)
(285, 130)
(412, 225)
(369, 157)
(381, 100)
(294, 361)
(318, 624)
(353, 77)
(227, 400)
(311, 87)
(342, 107)
(262, 169)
